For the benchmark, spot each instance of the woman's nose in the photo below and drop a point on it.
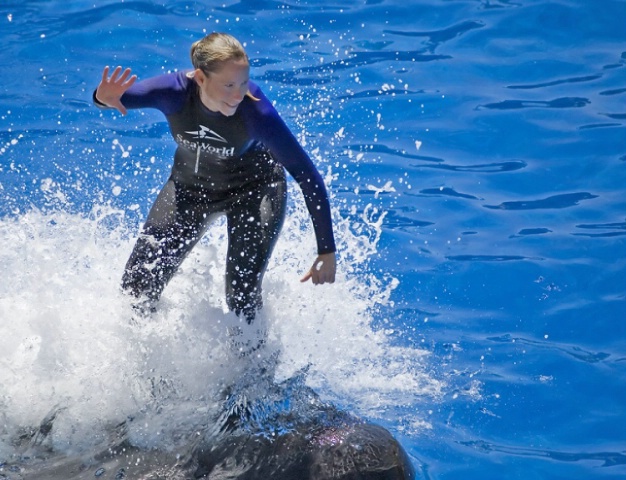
(240, 93)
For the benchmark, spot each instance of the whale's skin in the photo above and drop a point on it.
(261, 431)
(346, 448)
(354, 450)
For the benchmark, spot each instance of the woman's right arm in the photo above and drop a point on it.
(111, 89)
(166, 92)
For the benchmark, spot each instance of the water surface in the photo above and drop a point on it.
(476, 155)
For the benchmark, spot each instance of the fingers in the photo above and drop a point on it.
(324, 277)
(124, 80)
(113, 86)
(124, 75)
(115, 74)
(321, 279)
(319, 276)
(116, 78)
(314, 276)
(322, 271)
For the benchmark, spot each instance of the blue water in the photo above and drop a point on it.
(476, 155)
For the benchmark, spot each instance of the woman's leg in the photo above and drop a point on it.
(254, 222)
(175, 224)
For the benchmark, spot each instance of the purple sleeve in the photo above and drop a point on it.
(272, 131)
(166, 93)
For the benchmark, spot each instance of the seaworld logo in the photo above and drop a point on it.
(202, 146)
(206, 133)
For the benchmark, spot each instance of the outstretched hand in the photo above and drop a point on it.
(112, 88)
(323, 270)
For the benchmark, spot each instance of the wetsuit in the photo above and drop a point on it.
(223, 165)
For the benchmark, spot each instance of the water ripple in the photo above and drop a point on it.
(531, 231)
(394, 220)
(608, 459)
(588, 78)
(380, 93)
(483, 167)
(595, 226)
(574, 351)
(555, 201)
(564, 102)
(488, 4)
(599, 125)
(322, 74)
(53, 26)
(437, 37)
(370, 45)
(391, 151)
(600, 235)
(261, 62)
(446, 191)
(619, 230)
(488, 258)
(616, 91)
(251, 7)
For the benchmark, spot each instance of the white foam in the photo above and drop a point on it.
(69, 339)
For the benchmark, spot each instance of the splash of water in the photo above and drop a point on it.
(72, 350)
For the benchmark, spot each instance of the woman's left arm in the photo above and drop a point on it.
(270, 129)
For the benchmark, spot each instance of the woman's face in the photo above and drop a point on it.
(223, 91)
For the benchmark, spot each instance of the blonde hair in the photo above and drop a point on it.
(208, 53)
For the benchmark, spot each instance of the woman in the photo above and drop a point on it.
(232, 151)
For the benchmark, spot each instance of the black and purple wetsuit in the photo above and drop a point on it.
(223, 165)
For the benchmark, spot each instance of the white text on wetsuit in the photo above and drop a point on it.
(222, 152)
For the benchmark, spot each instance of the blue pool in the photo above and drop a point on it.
(475, 151)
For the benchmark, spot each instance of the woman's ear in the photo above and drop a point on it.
(199, 76)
